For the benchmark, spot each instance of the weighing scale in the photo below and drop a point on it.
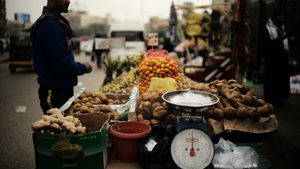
(191, 147)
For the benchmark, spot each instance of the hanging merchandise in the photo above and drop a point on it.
(205, 24)
(173, 24)
(192, 24)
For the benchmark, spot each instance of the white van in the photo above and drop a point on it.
(134, 34)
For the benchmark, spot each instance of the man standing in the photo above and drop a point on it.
(276, 61)
(53, 58)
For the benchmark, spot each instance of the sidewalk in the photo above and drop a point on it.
(283, 148)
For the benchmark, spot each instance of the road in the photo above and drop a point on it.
(20, 89)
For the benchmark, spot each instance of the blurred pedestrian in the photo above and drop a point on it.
(276, 62)
(53, 58)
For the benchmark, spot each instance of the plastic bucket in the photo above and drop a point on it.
(126, 137)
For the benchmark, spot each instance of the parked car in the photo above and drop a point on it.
(20, 52)
(134, 34)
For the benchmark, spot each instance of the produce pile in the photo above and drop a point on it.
(152, 109)
(122, 84)
(237, 101)
(91, 102)
(53, 122)
(156, 64)
(238, 106)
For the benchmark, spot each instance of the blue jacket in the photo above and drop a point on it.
(53, 58)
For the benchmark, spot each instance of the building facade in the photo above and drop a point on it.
(3, 20)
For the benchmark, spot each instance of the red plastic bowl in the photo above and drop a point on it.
(130, 130)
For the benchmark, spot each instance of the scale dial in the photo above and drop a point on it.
(192, 149)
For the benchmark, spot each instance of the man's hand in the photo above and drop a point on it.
(88, 67)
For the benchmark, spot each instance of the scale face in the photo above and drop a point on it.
(192, 149)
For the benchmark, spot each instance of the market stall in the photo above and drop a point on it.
(212, 40)
(135, 110)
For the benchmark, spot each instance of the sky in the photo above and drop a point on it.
(121, 10)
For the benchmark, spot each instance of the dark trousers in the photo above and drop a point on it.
(54, 97)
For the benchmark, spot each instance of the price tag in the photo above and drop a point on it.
(150, 145)
(152, 39)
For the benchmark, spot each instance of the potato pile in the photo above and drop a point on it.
(55, 123)
(156, 66)
(237, 101)
(86, 102)
(152, 109)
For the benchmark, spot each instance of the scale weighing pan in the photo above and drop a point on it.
(190, 101)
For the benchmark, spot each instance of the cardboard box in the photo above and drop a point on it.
(61, 151)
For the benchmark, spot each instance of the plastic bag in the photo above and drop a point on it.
(228, 155)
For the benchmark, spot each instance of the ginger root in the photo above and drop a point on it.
(54, 123)
(40, 125)
(229, 111)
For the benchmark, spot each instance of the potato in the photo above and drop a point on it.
(147, 114)
(110, 101)
(88, 94)
(84, 109)
(170, 119)
(229, 112)
(97, 100)
(152, 97)
(77, 101)
(103, 99)
(217, 114)
(154, 121)
(242, 113)
(82, 96)
(155, 104)
(89, 104)
(85, 99)
(159, 112)
(146, 103)
(147, 122)
(254, 115)
(105, 109)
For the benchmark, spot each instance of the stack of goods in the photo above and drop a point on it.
(89, 102)
(122, 84)
(152, 109)
(187, 83)
(55, 123)
(237, 101)
(239, 109)
(156, 64)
